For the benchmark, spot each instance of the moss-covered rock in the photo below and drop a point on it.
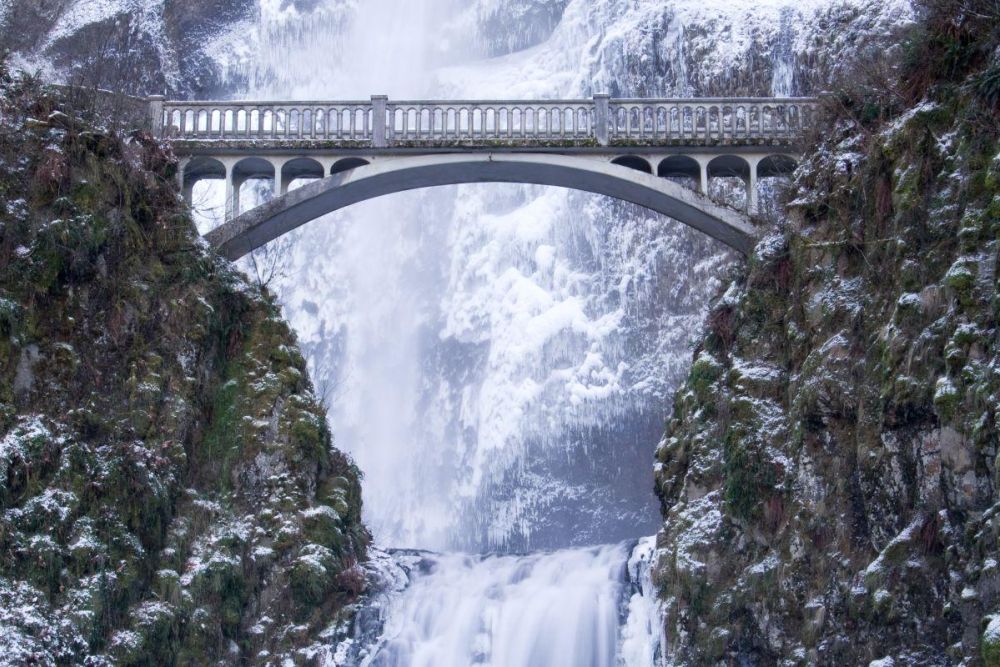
(829, 475)
(165, 467)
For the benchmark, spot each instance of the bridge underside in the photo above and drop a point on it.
(354, 180)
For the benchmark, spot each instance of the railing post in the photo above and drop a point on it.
(602, 117)
(156, 115)
(379, 104)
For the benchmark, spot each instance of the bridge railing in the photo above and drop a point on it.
(380, 123)
(711, 120)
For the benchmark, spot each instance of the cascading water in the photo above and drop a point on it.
(486, 346)
(556, 609)
(499, 359)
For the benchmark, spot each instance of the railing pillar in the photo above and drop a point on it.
(602, 105)
(379, 104)
(156, 115)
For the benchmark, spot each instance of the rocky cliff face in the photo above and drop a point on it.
(828, 478)
(134, 46)
(168, 489)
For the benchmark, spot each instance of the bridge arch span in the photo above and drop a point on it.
(249, 231)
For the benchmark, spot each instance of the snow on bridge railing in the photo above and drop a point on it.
(601, 121)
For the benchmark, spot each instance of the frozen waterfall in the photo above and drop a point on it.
(499, 360)
(582, 607)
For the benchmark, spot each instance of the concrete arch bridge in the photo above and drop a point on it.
(660, 154)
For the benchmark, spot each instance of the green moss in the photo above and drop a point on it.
(221, 441)
(221, 583)
(705, 371)
(748, 479)
(309, 433)
(990, 642)
(961, 278)
(947, 398)
(321, 525)
(311, 575)
(884, 606)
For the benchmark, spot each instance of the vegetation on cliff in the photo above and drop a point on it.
(169, 493)
(828, 478)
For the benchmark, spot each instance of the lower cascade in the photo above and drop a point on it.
(581, 607)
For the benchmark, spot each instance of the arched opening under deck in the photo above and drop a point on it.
(680, 169)
(729, 180)
(774, 173)
(203, 177)
(253, 178)
(298, 171)
(776, 165)
(634, 162)
(346, 164)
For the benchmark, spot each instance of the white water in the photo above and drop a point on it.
(499, 359)
(552, 610)
(482, 345)
(555, 609)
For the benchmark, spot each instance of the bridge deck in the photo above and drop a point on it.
(551, 124)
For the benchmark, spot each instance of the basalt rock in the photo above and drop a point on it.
(828, 479)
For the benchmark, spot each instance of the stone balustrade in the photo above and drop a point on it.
(600, 121)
